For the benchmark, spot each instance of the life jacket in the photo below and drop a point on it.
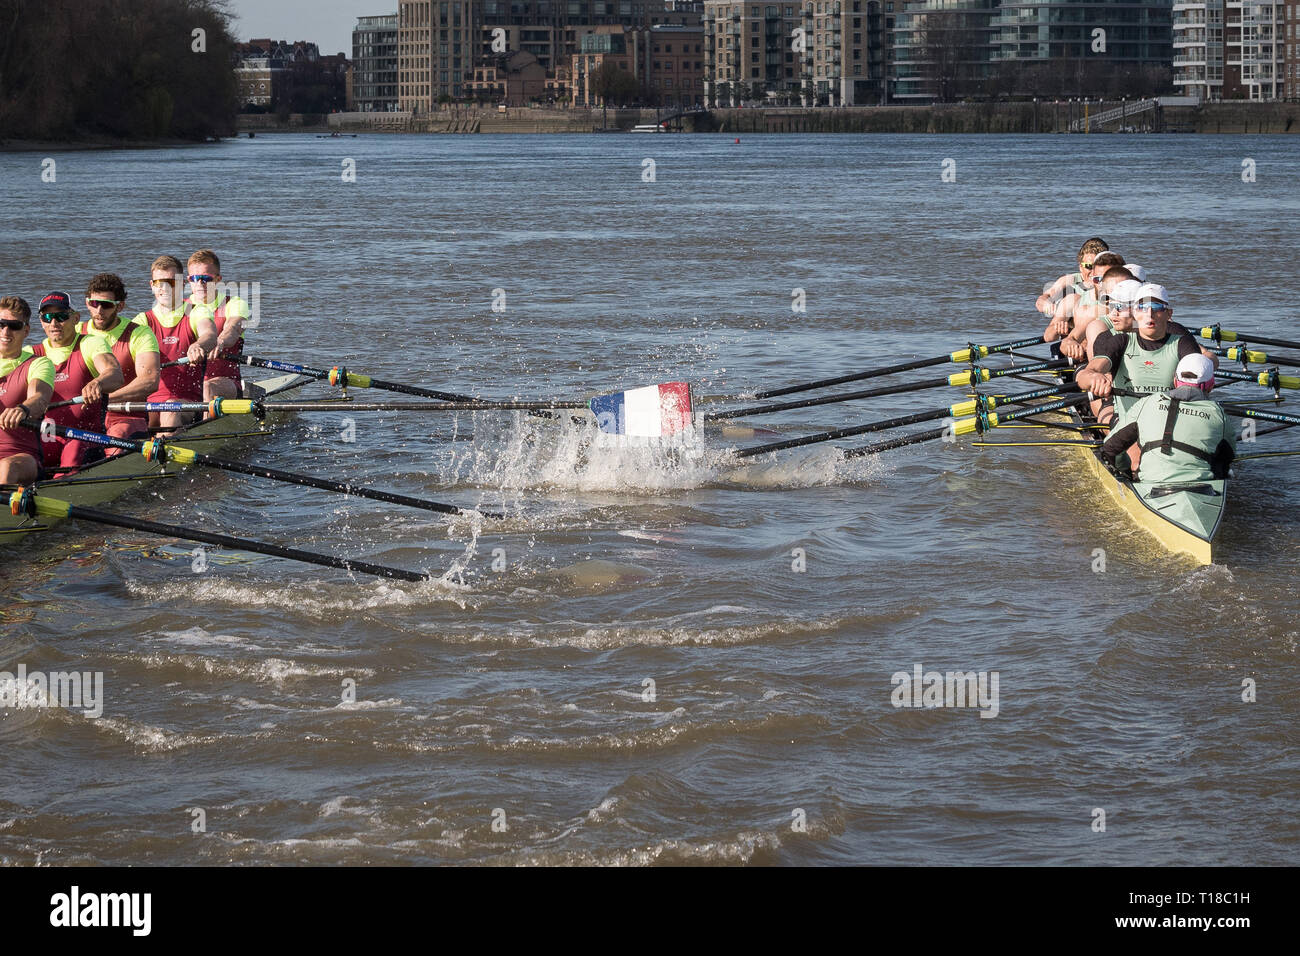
(1179, 438)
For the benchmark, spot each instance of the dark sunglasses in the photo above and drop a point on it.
(1087, 265)
(103, 303)
(202, 278)
(55, 316)
(13, 325)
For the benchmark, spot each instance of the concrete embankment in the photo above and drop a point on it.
(1042, 117)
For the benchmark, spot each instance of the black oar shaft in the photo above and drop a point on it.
(321, 373)
(891, 369)
(1226, 335)
(844, 432)
(826, 400)
(242, 544)
(418, 406)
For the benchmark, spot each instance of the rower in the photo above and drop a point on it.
(1054, 294)
(26, 386)
(134, 347)
(1083, 307)
(84, 368)
(1115, 314)
(208, 300)
(181, 333)
(1184, 435)
(1143, 359)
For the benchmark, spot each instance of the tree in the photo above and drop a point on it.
(951, 46)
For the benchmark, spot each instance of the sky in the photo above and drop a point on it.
(328, 23)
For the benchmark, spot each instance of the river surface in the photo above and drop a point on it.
(660, 655)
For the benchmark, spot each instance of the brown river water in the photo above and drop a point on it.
(657, 656)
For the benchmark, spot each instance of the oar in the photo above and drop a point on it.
(245, 406)
(338, 375)
(1245, 356)
(1269, 379)
(1218, 334)
(956, 379)
(964, 427)
(1263, 415)
(161, 451)
(26, 501)
(962, 355)
(969, 407)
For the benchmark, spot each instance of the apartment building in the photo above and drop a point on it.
(374, 64)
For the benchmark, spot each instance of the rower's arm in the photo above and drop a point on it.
(1095, 377)
(205, 331)
(1059, 327)
(109, 378)
(33, 406)
(145, 382)
(1046, 303)
(229, 337)
(1118, 441)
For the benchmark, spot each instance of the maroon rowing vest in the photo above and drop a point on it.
(13, 392)
(69, 379)
(122, 352)
(183, 382)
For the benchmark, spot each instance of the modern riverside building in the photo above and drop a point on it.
(1253, 44)
(943, 49)
(1291, 47)
(1232, 49)
(374, 64)
(814, 52)
(440, 42)
(677, 64)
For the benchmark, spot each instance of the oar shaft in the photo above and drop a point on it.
(962, 355)
(360, 381)
(1257, 358)
(826, 400)
(242, 544)
(189, 456)
(236, 406)
(1218, 334)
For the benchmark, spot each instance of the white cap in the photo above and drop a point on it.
(1194, 370)
(1150, 290)
(1139, 273)
(1126, 291)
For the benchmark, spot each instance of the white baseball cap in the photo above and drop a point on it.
(1194, 370)
(1150, 290)
(1126, 291)
(1139, 273)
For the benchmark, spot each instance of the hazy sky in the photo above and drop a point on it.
(328, 23)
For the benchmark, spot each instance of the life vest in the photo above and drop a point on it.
(1178, 438)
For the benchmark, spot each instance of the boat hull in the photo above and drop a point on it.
(1185, 517)
(110, 478)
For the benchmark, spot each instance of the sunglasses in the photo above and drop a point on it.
(165, 281)
(103, 303)
(1085, 265)
(13, 325)
(55, 316)
(203, 278)
(1151, 307)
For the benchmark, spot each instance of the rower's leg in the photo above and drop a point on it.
(18, 470)
(219, 388)
(169, 422)
(128, 428)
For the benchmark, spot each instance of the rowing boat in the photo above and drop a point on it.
(109, 478)
(1184, 517)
